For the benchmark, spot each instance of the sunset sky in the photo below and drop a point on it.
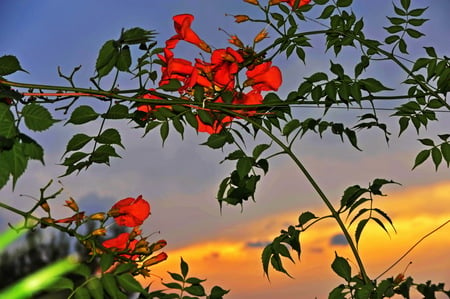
(180, 180)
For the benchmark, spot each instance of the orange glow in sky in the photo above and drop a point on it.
(232, 264)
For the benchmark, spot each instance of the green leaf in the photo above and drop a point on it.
(305, 217)
(445, 150)
(109, 285)
(95, 288)
(173, 85)
(106, 261)
(436, 157)
(421, 157)
(82, 114)
(265, 258)
(196, 290)
(136, 35)
(291, 126)
(184, 268)
(414, 33)
(405, 4)
(373, 85)
(244, 165)
(16, 161)
(107, 58)
(216, 141)
(326, 13)
(173, 285)
(176, 276)
(37, 117)
(7, 125)
(102, 153)
(31, 148)
(426, 141)
(130, 284)
(195, 280)
(62, 283)
(259, 149)
(9, 64)
(344, 3)
(117, 111)
(417, 12)
(82, 293)
(77, 142)
(123, 62)
(4, 171)
(360, 227)
(109, 136)
(217, 292)
(164, 131)
(342, 268)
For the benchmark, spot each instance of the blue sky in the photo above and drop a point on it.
(180, 179)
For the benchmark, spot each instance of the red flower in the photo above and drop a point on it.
(290, 2)
(130, 212)
(264, 76)
(215, 128)
(182, 25)
(251, 98)
(122, 243)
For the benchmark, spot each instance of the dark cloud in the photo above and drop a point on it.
(338, 239)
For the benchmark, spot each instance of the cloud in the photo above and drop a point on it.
(338, 239)
(257, 244)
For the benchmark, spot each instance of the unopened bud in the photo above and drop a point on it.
(254, 2)
(45, 221)
(98, 216)
(72, 204)
(241, 18)
(275, 2)
(142, 250)
(234, 40)
(45, 206)
(260, 36)
(158, 245)
(141, 243)
(156, 259)
(99, 232)
(399, 278)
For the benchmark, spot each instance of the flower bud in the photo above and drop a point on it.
(275, 2)
(98, 216)
(142, 250)
(158, 245)
(72, 204)
(241, 18)
(234, 40)
(156, 259)
(99, 232)
(399, 278)
(254, 2)
(45, 221)
(141, 243)
(45, 206)
(260, 36)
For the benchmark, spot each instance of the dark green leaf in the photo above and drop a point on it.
(82, 293)
(359, 228)
(62, 283)
(16, 161)
(218, 293)
(95, 288)
(259, 149)
(31, 148)
(436, 156)
(405, 4)
(173, 85)
(106, 261)
(9, 64)
(173, 285)
(7, 125)
(109, 285)
(109, 136)
(216, 141)
(107, 58)
(77, 142)
(117, 111)
(445, 150)
(37, 117)
(176, 276)
(342, 268)
(130, 284)
(421, 157)
(123, 62)
(291, 126)
(344, 3)
(244, 165)
(417, 12)
(82, 114)
(196, 290)
(305, 217)
(326, 13)
(184, 268)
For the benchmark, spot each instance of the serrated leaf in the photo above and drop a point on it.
(110, 136)
(16, 161)
(7, 125)
(117, 111)
(37, 117)
(217, 292)
(136, 35)
(243, 166)
(341, 267)
(82, 114)
(421, 157)
(77, 142)
(123, 62)
(291, 126)
(9, 64)
(107, 58)
(445, 150)
(4, 171)
(31, 148)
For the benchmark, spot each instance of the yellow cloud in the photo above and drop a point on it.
(228, 261)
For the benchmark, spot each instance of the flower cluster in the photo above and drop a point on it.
(217, 76)
(127, 246)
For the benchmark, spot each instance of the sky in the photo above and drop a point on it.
(180, 179)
